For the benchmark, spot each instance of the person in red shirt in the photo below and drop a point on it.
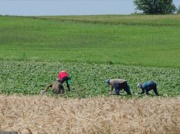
(64, 77)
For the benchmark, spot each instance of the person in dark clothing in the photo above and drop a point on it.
(118, 84)
(147, 86)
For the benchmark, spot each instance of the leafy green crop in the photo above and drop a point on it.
(88, 80)
(137, 48)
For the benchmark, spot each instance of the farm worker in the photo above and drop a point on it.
(147, 86)
(118, 84)
(57, 88)
(63, 76)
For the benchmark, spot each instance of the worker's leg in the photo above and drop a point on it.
(117, 89)
(65, 79)
(155, 89)
(68, 86)
(127, 88)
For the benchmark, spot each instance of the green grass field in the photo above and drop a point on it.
(92, 49)
(129, 40)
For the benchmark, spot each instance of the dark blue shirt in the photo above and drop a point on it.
(148, 84)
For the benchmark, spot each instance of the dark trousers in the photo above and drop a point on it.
(151, 87)
(65, 79)
(121, 86)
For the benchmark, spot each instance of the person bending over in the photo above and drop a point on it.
(118, 84)
(147, 86)
(64, 77)
(56, 87)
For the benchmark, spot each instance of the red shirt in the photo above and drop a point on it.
(62, 74)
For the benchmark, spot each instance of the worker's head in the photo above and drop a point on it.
(107, 81)
(58, 79)
(139, 85)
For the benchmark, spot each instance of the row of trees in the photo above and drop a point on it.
(156, 6)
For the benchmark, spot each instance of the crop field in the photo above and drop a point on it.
(91, 49)
(88, 80)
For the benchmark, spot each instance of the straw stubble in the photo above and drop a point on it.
(42, 114)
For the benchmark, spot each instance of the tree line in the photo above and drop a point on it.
(156, 6)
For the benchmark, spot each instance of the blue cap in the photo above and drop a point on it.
(139, 85)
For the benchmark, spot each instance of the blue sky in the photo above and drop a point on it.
(67, 7)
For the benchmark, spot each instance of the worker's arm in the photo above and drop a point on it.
(44, 91)
(111, 88)
(50, 85)
(143, 90)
